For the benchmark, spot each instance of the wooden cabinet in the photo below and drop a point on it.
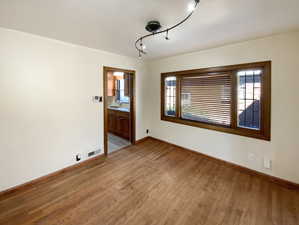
(123, 126)
(119, 123)
(127, 85)
(111, 121)
(111, 84)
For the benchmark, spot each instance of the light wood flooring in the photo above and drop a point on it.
(152, 183)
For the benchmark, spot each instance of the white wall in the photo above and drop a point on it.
(46, 112)
(47, 116)
(283, 149)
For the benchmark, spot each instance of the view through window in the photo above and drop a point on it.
(170, 96)
(249, 96)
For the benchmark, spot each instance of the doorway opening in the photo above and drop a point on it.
(119, 108)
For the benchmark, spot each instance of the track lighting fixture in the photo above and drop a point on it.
(154, 28)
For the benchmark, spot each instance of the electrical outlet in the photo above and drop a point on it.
(78, 157)
(267, 163)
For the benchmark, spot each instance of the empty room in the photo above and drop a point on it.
(155, 112)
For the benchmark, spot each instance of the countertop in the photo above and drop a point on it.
(119, 109)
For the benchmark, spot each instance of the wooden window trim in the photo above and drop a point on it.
(265, 129)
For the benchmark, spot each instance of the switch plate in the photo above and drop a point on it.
(267, 163)
(97, 99)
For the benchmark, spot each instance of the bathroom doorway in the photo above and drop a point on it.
(119, 109)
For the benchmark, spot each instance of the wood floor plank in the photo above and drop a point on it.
(152, 183)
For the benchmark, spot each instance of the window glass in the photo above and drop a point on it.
(249, 97)
(122, 97)
(170, 96)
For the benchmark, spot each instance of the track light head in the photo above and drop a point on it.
(166, 37)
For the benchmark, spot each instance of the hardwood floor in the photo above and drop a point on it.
(152, 183)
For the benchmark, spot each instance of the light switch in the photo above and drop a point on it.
(97, 99)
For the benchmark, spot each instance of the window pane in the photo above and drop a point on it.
(122, 97)
(249, 96)
(207, 98)
(170, 96)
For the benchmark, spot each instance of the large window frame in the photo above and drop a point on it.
(263, 133)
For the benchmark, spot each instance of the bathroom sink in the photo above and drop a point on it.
(119, 108)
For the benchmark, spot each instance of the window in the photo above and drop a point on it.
(208, 98)
(233, 99)
(170, 96)
(121, 92)
(249, 98)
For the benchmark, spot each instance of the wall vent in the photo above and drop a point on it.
(94, 153)
(91, 153)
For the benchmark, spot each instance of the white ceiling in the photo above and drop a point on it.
(114, 25)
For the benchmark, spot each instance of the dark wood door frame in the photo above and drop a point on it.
(132, 105)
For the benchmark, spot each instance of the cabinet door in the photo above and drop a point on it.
(111, 122)
(123, 127)
(127, 85)
(111, 84)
